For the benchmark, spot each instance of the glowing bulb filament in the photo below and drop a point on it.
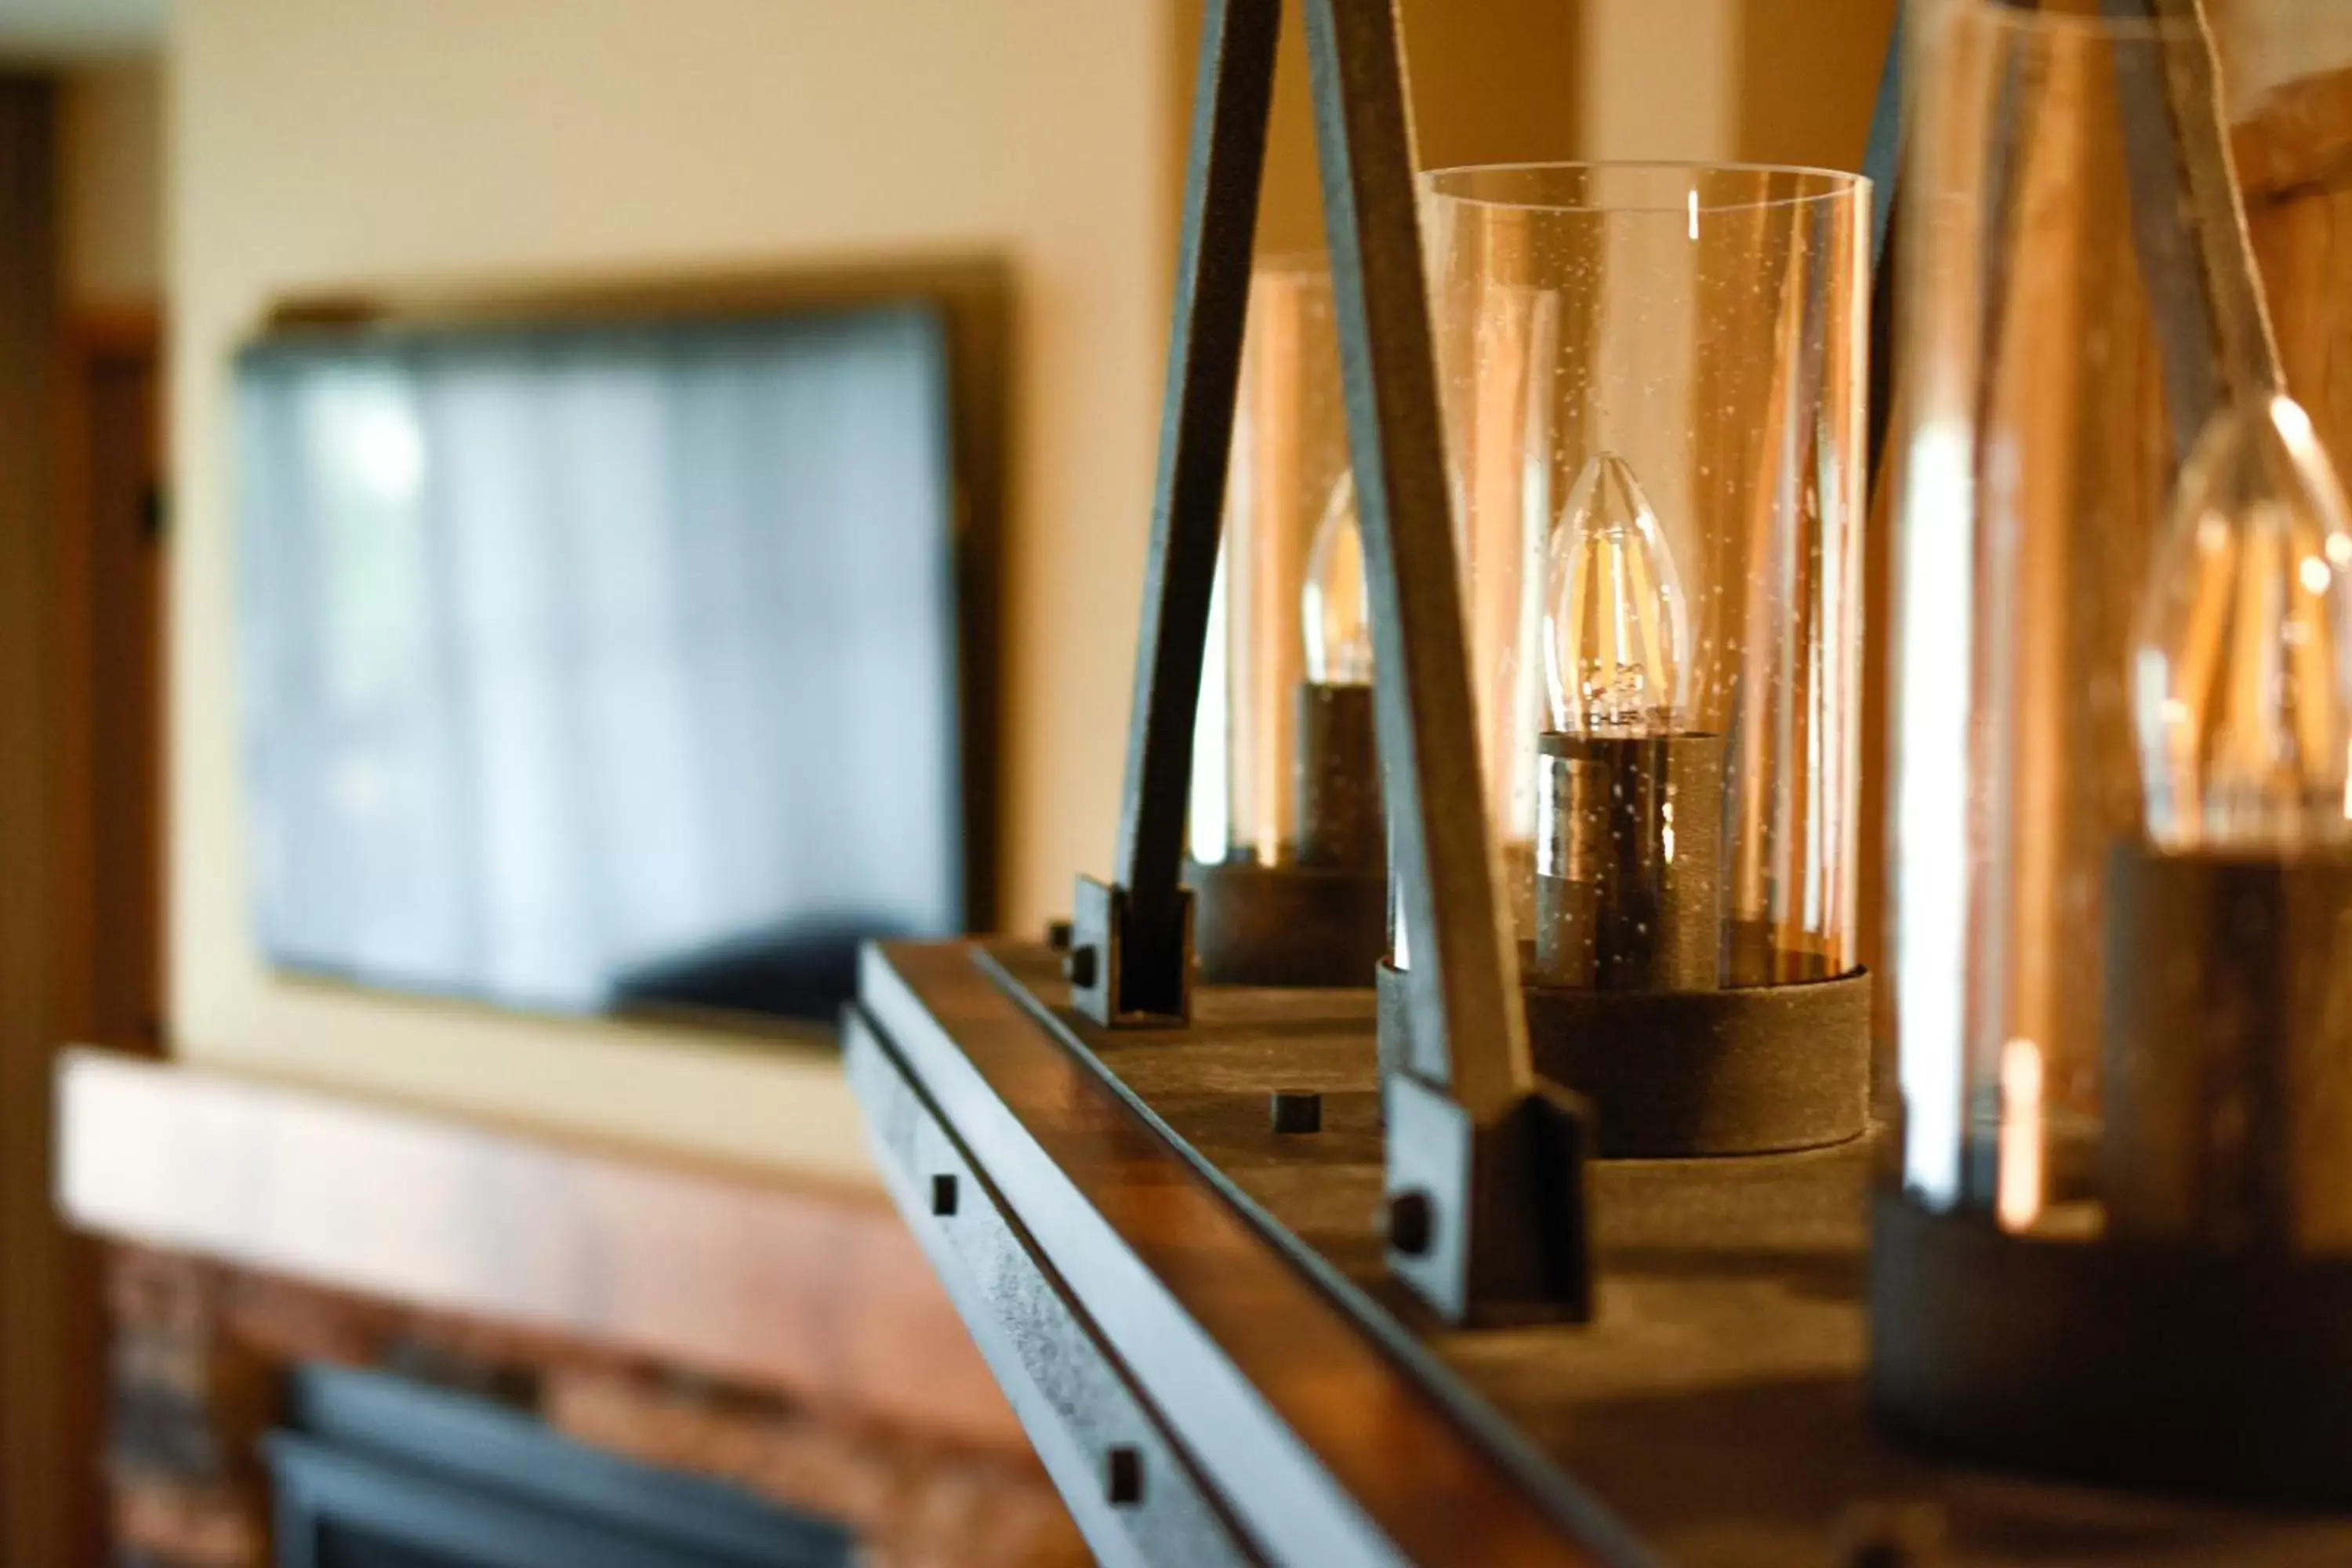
(1613, 631)
(1335, 606)
(2242, 655)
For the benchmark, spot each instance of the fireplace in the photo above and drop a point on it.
(373, 1471)
(596, 1324)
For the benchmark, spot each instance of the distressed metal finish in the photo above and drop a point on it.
(2247, 345)
(1759, 1069)
(1287, 925)
(1339, 793)
(1294, 1416)
(1882, 154)
(2200, 1371)
(1130, 959)
(1144, 954)
(1473, 1259)
(1099, 957)
(2227, 1023)
(2213, 328)
(2187, 332)
(1713, 1412)
(1635, 902)
(1880, 159)
(1469, 1037)
(1093, 1430)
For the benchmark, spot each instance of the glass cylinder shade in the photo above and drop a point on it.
(1284, 771)
(1653, 385)
(2124, 684)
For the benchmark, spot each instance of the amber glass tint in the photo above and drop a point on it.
(1653, 379)
(2119, 642)
(1278, 622)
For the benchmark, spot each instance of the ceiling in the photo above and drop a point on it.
(58, 30)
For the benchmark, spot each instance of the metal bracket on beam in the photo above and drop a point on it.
(1132, 946)
(1487, 1206)
(1882, 156)
(1486, 1167)
(2213, 328)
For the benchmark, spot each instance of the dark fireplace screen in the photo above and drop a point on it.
(370, 1471)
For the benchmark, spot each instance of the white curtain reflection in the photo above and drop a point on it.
(574, 658)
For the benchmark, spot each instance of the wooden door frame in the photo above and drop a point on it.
(91, 341)
(53, 1427)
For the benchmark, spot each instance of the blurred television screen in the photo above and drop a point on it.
(599, 668)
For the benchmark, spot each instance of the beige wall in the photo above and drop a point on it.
(1492, 81)
(1530, 81)
(1659, 78)
(111, 182)
(321, 144)
(1764, 81)
(1806, 79)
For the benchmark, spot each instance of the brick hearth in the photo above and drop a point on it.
(199, 1348)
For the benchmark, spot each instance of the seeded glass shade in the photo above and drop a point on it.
(1290, 600)
(2125, 683)
(1653, 378)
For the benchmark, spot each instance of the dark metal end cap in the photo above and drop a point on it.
(1297, 1110)
(1889, 1535)
(1411, 1222)
(1123, 1475)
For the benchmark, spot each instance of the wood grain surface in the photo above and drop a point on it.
(1362, 1466)
(815, 1291)
(1715, 1411)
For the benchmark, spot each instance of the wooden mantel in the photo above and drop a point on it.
(814, 1289)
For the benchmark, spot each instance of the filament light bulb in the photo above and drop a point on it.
(1614, 628)
(2243, 653)
(1335, 606)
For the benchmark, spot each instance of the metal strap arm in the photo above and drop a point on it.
(1132, 945)
(1486, 1163)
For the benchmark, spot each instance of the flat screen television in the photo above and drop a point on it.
(597, 667)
